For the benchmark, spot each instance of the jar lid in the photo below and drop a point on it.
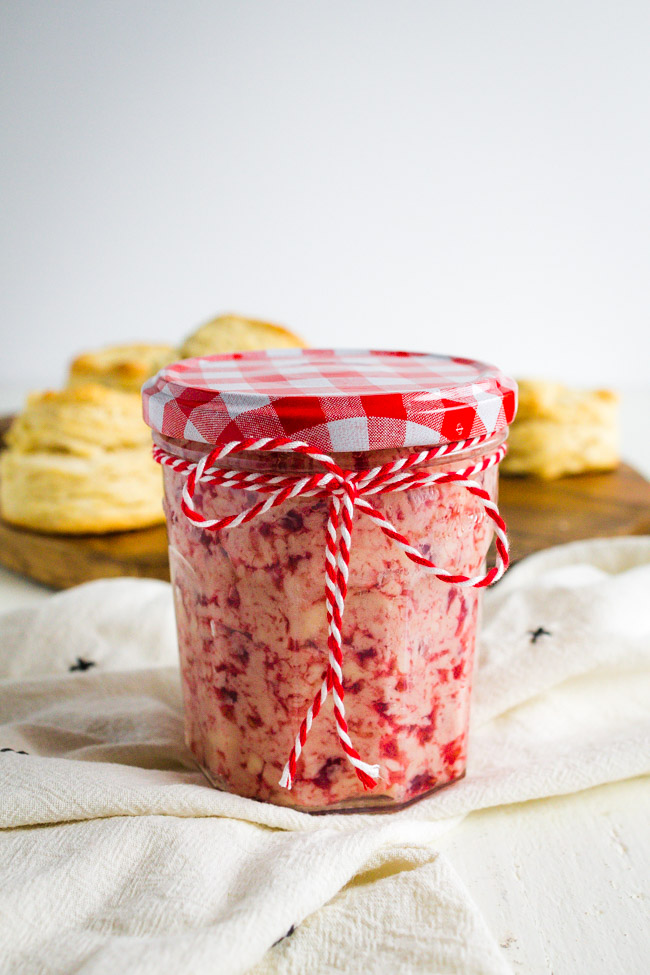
(334, 399)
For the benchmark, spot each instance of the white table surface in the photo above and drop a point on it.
(563, 883)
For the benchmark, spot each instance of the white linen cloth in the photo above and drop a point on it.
(116, 855)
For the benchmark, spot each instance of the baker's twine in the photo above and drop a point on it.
(345, 491)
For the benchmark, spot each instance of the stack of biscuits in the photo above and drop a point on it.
(78, 460)
(560, 431)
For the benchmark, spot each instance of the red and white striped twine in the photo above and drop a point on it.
(345, 491)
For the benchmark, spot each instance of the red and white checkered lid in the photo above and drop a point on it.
(335, 400)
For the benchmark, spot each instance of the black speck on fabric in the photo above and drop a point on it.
(82, 664)
(287, 935)
(535, 634)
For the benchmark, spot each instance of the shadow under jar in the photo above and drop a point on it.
(252, 630)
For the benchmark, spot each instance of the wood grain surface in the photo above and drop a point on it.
(538, 514)
(544, 513)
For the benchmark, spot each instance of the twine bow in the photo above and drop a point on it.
(346, 492)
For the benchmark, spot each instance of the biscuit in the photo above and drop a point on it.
(561, 431)
(124, 367)
(79, 461)
(82, 420)
(68, 494)
(232, 333)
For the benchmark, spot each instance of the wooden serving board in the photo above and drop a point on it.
(544, 513)
(538, 514)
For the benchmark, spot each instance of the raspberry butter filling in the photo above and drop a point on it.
(252, 630)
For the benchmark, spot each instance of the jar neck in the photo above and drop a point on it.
(281, 462)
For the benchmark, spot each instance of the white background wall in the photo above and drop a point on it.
(467, 177)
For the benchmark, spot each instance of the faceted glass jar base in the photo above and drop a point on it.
(367, 803)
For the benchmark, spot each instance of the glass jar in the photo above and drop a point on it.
(252, 632)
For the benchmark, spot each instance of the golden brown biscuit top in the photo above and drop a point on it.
(541, 399)
(124, 367)
(81, 420)
(234, 333)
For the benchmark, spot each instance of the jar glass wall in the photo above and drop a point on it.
(252, 631)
